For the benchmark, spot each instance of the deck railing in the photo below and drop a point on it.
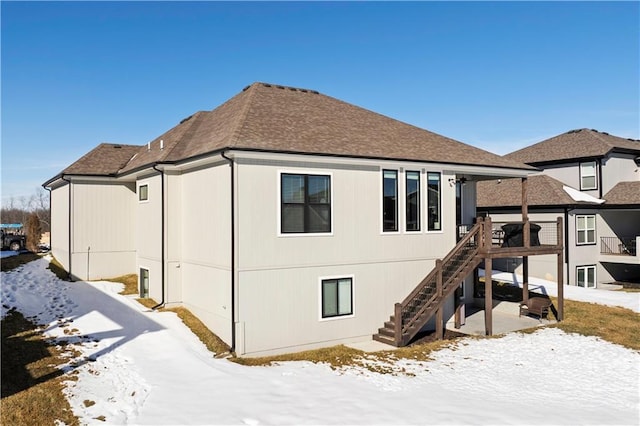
(618, 245)
(547, 235)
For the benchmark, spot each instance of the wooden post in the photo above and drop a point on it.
(526, 231)
(488, 296)
(525, 279)
(439, 319)
(397, 322)
(457, 319)
(488, 233)
(560, 271)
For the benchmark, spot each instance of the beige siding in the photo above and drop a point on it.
(206, 246)
(103, 237)
(148, 234)
(618, 168)
(279, 275)
(60, 224)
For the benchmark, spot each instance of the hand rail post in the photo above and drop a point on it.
(397, 322)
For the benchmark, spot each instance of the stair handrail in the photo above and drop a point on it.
(475, 231)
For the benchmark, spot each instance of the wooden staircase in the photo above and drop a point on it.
(428, 298)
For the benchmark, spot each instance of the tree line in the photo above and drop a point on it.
(33, 212)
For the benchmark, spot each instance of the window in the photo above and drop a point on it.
(588, 176)
(306, 203)
(337, 297)
(413, 201)
(433, 201)
(586, 229)
(143, 192)
(586, 276)
(144, 283)
(390, 200)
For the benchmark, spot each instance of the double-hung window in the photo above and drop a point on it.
(585, 229)
(412, 200)
(588, 176)
(434, 201)
(305, 203)
(337, 297)
(586, 276)
(390, 200)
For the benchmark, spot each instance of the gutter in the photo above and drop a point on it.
(233, 252)
(162, 220)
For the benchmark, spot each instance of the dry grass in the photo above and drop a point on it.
(31, 384)
(58, 270)
(147, 302)
(12, 262)
(613, 324)
(211, 341)
(130, 282)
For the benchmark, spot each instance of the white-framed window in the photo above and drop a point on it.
(585, 229)
(305, 203)
(434, 204)
(586, 276)
(390, 200)
(413, 200)
(143, 192)
(588, 176)
(144, 283)
(336, 297)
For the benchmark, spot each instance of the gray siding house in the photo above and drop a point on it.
(592, 179)
(284, 219)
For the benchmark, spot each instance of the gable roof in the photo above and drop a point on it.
(104, 160)
(574, 144)
(624, 193)
(543, 190)
(266, 117)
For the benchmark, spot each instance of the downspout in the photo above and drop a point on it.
(162, 257)
(233, 253)
(50, 227)
(69, 182)
(600, 178)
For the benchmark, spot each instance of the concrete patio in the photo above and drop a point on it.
(505, 320)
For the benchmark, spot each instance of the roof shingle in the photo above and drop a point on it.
(624, 193)
(581, 143)
(104, 160)
(285, 119)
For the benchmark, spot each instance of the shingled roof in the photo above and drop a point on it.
(543, 190)
(104, 160)
(575, 144)
(624, 193)
(267, 117)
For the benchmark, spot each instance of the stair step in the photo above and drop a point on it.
(387, 332)
(384, 339)
(390, 325)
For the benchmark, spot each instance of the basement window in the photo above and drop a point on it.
(143, 192)
(337, 297)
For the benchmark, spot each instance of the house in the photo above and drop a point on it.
(592, 179)
(285, 220)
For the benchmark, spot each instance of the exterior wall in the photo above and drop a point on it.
(148, 233)
(205, 238)
(103, 243)
(569, 174)
(279, 276)
(60, 224)
(618, 168)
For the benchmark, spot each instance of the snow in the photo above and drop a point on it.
(581, 196)
(7, 253)
(143, 367)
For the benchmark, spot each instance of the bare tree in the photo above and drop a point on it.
(34, 232)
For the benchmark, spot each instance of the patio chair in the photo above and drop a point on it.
(537, 306)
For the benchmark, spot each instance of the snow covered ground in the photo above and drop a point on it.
(147, 368)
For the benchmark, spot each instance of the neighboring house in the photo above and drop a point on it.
(593, 180)
(284, 219)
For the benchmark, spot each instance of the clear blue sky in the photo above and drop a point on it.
(499, 76)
